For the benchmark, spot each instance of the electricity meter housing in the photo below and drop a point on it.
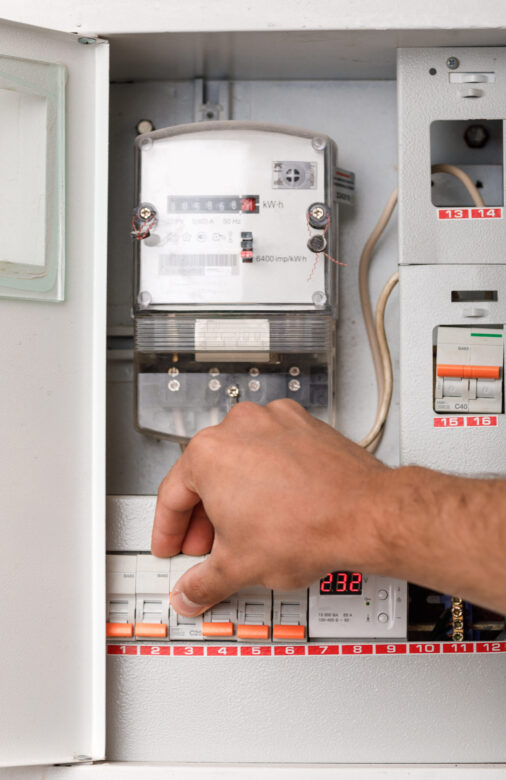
(230, 302)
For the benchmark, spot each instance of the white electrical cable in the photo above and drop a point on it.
(375, 328)
(386, 364)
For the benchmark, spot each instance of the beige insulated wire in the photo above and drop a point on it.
(370, 442)
(462, 176)
(386, 364)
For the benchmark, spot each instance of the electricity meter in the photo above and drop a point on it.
(235, 281)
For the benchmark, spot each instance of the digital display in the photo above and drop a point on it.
(210, 204)
(341, 583)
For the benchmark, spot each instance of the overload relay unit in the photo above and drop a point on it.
(236, 288)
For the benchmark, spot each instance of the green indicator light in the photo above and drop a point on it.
(488, 335)
(367, 603)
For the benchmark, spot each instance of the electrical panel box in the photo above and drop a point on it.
(236, 295)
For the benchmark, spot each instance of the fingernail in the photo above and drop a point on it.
(185, 606)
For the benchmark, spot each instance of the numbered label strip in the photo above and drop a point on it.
(477, 213)
(465, 422)
(410, 648)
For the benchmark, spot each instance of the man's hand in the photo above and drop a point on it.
(281, 499)
(278, 497)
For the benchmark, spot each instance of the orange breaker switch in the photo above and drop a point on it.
(117, 630)
(150, 630)
(469, 372)
(217, 630)
(245, 631)
(288, 632)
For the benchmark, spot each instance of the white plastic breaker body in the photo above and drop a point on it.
(233, 301)
(469, 369)
(121, 589)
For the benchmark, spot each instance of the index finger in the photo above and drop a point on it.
(173, 512)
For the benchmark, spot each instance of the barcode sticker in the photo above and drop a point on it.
(198, 264)
(236, 335)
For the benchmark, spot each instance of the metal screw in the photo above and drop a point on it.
(254, 372)
(319, 298)
(173, 371)
(254, 385)
(86, 41)
(294, 371)
(233, 391)
(476, 136)
(144, 298)
(294, 385)
(317, 212)
(317, 244)
(214, 384)
(174, 385)
(318, 143)
(145, 212)
(214, 371)
(144, 126)
(452, 63)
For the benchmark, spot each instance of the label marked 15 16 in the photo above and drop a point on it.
(482, 421)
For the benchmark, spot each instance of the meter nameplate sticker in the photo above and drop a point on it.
(236, 335)
(293, 175)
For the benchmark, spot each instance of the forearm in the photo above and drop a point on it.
(446, 532)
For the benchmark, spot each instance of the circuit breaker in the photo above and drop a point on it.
(469, 369)
(236, 297)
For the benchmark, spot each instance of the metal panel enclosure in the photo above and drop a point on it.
(52, 462)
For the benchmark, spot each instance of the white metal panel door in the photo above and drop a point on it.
(52, 445)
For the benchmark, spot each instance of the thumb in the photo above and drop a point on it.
(202, 586)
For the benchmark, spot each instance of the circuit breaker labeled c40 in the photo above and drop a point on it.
(469, 370)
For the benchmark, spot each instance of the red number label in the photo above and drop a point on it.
(481, 421)
(425, 648)
(121, 649)
(491, 647)
(323, 650)
(457, 647)
(390, 649)
(290, 650)
(251, 650)
(453, 213)
(486, 213)
(448, 422)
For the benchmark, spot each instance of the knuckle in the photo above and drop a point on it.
(246, 410)
(285, 405)
(203, 441)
